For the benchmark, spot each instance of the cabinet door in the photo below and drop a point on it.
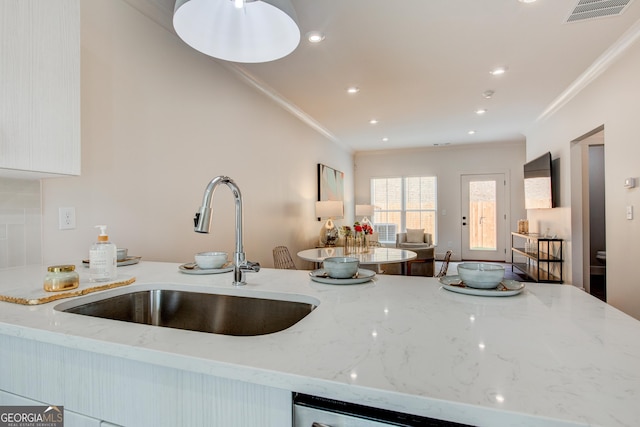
(71, 419)
(40, 86)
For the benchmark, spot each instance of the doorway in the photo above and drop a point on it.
(483, 217)
(588, 212)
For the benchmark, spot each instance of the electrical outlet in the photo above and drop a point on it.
(67, 218)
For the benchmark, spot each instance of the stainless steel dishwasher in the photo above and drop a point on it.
(312, 411)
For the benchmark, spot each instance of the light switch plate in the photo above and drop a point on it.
(629, 212)
(67, 218)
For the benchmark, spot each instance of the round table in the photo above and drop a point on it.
(376, 256)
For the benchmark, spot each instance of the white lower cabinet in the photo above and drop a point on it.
(71, 419)
(111, 390)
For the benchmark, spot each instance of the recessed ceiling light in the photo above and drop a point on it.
(526, 1)
(353, 89)
(385, 139)
(488, 94)
(481, 111)
(498, 71)
(373, 122)
(471, 132)
(315, 36)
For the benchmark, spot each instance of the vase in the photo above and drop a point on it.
(348, 245)
(361, 243)
(367, 244)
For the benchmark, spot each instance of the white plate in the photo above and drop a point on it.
(506, 288)
(197, 270)
(130, 260)
(364, 275)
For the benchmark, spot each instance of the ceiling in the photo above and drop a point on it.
(422, 66)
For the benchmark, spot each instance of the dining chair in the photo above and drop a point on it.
(282, 258)
(445, 264)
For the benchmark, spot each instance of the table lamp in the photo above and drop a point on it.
(329, 209)
(365, 211)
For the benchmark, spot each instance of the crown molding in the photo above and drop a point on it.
(598, 67)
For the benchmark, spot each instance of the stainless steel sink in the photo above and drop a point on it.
(195, 311)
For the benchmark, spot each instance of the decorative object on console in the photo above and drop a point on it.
(249, 31)
(329, 209)
(523, 226)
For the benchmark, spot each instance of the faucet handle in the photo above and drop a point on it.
(250, 266)
(241, 269)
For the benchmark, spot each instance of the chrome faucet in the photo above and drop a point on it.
(202, 223)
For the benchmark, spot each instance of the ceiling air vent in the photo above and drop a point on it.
(593, 9)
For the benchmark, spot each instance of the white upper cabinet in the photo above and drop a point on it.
(39, 88)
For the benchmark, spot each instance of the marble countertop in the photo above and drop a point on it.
(552, 355)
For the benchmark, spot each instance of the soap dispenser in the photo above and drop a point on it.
(103, 257)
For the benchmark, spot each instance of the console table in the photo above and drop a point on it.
(543, 256)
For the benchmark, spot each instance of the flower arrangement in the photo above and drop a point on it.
(345, 231)
(357, 230)
(355, 240)
(362, 228)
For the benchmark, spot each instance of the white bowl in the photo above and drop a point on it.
(122, 254)
(481, 275)
(209, 260)
(341, 267)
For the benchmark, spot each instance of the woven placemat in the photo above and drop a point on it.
(40, 296)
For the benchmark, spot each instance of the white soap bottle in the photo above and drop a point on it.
(103, 257)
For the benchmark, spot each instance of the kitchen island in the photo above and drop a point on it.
(550, 356)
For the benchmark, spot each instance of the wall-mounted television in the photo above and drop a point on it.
(538, 183)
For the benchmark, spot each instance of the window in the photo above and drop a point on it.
(408, 202)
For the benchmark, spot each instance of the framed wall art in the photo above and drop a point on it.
(330, 184)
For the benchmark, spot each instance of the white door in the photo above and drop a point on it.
(483, 217)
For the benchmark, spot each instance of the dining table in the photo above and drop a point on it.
(375, 256)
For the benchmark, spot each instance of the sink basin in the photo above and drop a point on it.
(196, 311)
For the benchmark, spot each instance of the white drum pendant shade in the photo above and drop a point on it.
(261, 31)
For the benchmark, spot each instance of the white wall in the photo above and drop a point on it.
(613, 99)
(448, 163)
(159, 121)
(20, 219)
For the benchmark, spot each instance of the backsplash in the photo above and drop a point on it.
(20, 222)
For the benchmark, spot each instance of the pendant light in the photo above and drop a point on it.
(247, 31)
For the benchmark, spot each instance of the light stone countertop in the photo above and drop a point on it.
(551, 356)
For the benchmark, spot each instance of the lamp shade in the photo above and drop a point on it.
(260, 31)
(364, 210)
(329, 209)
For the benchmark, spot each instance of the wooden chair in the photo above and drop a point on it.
(282, 258)
(445, 264)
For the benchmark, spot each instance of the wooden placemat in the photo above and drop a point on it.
(40, 296)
